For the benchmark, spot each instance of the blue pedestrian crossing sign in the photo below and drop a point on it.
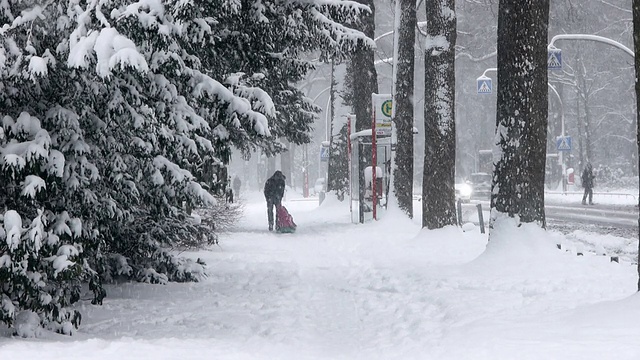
(563, 143)
(554, 59)
(324, 154)
(484, 85)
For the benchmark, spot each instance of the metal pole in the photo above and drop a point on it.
(590, 38)
(374, 158)
(562, 132)
(480, 218)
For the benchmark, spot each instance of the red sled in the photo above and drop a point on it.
(284, 221)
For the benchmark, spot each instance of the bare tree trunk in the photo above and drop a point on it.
(438, 176)
(579, 122)
(405, 66)
(584, 94)
(521, 135)
(286, 159)
(332, 96)
(271, 165)
(636, 42)
(365, 82)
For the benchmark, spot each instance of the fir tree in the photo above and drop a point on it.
(117, 121)
(339, 178)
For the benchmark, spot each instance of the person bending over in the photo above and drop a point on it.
(273, 193)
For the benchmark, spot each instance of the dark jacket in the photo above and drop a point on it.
(587, 177)
(274, 187)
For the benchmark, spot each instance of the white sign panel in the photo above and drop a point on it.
(383, 107)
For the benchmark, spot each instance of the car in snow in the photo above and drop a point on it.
(463, 190)
(481, 184)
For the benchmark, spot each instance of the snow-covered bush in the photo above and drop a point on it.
(607, 177)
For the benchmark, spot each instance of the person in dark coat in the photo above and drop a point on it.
(229, 195)
(273, 193)
(236, 185)
(587, 184)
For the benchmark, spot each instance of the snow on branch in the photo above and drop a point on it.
(176, 172)
(12, 223)
(111, 50)
(259, 98)
(336, 33)
(205, 85)
(437, 44)
(26, 16)
(148, 19)
(37, 147)
(342, 5)
(32, 185)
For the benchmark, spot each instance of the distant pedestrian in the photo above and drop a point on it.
(236, 185)
(587, 184)
(229, 195)
(273, 193)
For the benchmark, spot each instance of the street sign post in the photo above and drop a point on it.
(554, 59)
(484, 85)
(324, 153)
(563, 143)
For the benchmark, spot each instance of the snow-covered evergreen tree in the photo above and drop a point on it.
(117, 121)
(339, 166)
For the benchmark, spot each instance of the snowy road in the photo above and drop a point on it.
(384, 290)
(596, 214)
(565, 213)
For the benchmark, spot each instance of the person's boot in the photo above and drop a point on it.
(584, 202)
(270, 227)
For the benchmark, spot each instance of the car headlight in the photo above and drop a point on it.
(465, 190)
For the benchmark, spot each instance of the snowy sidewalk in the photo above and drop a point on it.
(387, 290)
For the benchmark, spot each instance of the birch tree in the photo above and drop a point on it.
(519, 156)
(438, 193)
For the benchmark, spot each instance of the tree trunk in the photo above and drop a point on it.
(286, 161)
(585, 94)
(522, 108)
(579, 122)
(332, 97)
(365, 82)
(271, 165)
(403, 119)
(636, 42)
(438, 192)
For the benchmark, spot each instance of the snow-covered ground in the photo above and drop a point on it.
(383, 290)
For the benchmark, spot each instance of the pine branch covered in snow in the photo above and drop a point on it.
(118, 119)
